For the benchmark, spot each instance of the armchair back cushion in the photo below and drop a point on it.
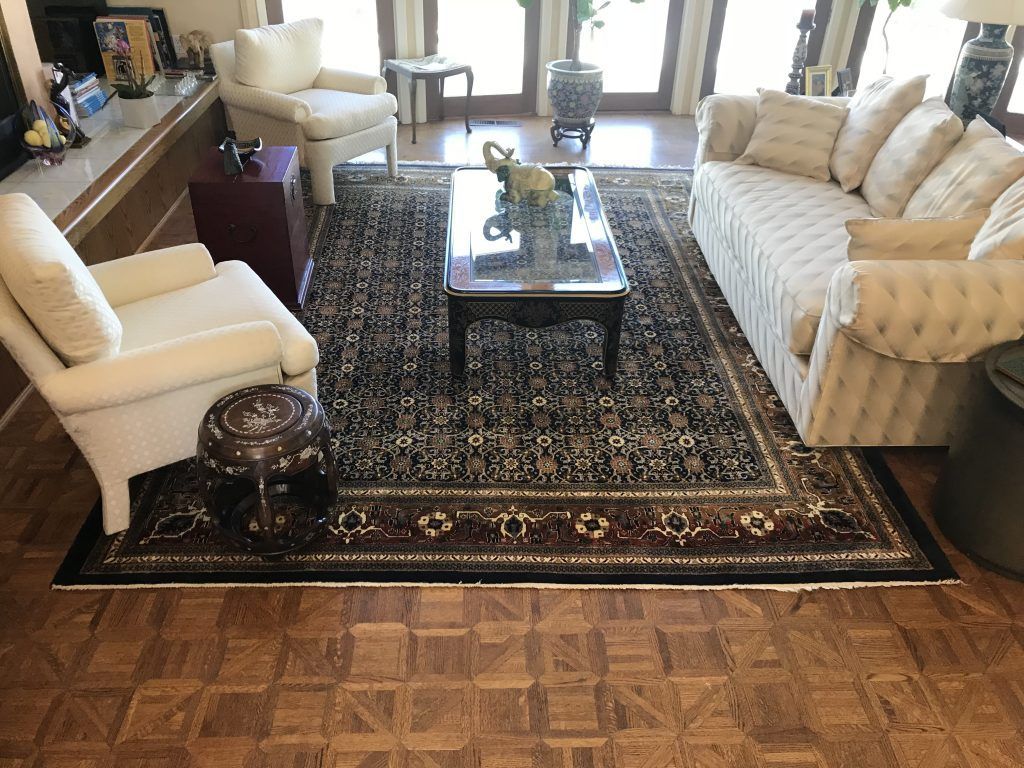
(874, 112)
(971, 176)
(282, 57)
(52, 286)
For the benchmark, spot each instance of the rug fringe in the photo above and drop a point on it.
(559, 163)
(517, 585)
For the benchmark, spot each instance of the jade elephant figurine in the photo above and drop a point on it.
(523, 181)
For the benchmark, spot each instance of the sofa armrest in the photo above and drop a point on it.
(143, 275)
(725, 124)
(165, 367)
(279, 106)
(926, 311)
(351, 82)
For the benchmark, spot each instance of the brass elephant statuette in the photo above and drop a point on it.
(523, 181)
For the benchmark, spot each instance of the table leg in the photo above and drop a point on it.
(612, 331)
(413, 99)
(440, 83)
(456, 337)
(469, 96)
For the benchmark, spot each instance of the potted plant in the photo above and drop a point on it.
(575, 87)
(138, 107)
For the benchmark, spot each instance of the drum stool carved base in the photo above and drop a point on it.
(266, 468)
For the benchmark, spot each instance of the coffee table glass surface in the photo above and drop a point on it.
(497, 248)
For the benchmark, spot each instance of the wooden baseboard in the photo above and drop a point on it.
(13, 408)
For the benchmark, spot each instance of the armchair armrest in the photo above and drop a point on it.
(143, 275)
(279, 106)
(927, 311)
(351, 82)
(165, 367)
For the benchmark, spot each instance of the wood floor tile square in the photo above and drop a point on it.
(708, 707)
(697, 648)
(770, 706)
(903, 704)
(498, 651)
(440, 653)
(339, 757)
(320, 612)
(718, 755)
(86, 717)
(942, 648)
(571, 707)
(817, 648)
(231, 712)
(632, 651)
(837, 707)
(365, 718)
(504, 710)
(22, 712)
(376, 652)
(298, 713)
(648, 750)
(908, 605)
(640, 706)
(513, 605)
(310, 659)
(441, 717)
(132, 614)
(249, 660)
(560, 611)
(564, 656)
(39, 664)
(439, 608)
(926, 750)
(879, 647)
(750, 646)
(250, 612)
(110, 663)
(971, 703)
(177, 659)
(1004, 752)
(193, 613)
(161, 711)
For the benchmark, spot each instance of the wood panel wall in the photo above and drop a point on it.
(120, 210)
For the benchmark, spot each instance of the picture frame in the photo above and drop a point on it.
(844, 82)
(818, 80)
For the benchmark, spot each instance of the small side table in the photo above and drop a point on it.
(256, 217)
(430, 68)
(978, 496)
(266, 468)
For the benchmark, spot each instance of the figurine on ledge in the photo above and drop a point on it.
(238, 153)
(62, 76)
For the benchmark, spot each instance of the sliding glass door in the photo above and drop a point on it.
(501, 48)
(637, 48)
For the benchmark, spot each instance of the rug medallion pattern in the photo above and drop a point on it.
(535, 467)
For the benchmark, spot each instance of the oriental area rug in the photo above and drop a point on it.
(534, 468)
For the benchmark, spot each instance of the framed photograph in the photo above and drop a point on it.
(819, 80)
(845, 82)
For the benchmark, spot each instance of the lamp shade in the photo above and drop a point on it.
(986, 11)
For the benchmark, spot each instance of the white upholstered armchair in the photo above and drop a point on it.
(274, 86)
(132, 352)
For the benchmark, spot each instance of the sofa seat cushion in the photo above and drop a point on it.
(337, 113)
(788, 234)
(236, 295)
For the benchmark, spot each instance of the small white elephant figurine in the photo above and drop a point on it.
(523, 181)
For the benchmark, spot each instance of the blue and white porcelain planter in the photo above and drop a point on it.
(574, 93)
(984, 64)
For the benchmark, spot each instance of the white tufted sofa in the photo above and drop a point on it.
(860, 353)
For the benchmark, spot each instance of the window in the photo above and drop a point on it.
(640, 29)
(350, 31)
(758, 38)
(922, 41)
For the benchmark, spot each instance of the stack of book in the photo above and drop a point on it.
(88, 95)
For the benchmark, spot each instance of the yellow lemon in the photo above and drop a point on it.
(33, 139)
(44, 136)
(63, 138)
(39, 126)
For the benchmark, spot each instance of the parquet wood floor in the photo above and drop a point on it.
(912, 677)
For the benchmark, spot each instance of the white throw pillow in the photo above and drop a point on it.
(794, 134)
(1002, 234)
(52, 285)
(874, 112)
(282, 57)
(911, 152)
(903, 239)
(971, 176)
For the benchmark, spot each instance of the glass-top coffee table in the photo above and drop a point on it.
(532, 267)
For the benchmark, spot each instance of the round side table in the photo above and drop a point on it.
(979, 494)
(266, 468)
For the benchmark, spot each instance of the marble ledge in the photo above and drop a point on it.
(55, 188)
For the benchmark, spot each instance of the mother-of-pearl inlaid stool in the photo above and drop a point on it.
(266, 468)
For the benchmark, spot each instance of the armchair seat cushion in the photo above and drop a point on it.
(788, 235)
(337, 113)
(236, 295)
